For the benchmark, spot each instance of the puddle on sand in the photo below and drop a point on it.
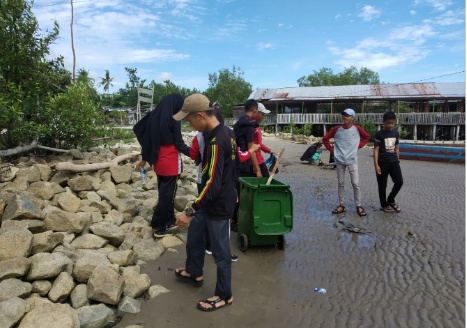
(362, 241)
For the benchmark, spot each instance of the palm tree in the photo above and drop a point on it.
(106, 81)
(83, 76)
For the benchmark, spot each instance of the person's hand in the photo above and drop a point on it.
(140, 165)
(258, 174)
(183, 220)
(272, 152)
(377, 169)
(254, 148)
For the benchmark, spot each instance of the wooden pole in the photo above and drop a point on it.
(275, 166)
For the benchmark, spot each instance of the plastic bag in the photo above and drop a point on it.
(270, 162)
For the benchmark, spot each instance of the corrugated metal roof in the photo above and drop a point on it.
(373, 92)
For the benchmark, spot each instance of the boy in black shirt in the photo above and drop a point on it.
(214, 206)
(386, 160)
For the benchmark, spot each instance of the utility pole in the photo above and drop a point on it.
(72, 43)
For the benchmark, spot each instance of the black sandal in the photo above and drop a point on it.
(395, 207)
(338, 209)
(360, 211)
(213, 304)
(188, 279)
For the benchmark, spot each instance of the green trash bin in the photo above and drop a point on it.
(265, 213)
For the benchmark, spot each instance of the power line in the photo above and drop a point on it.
(436, 77)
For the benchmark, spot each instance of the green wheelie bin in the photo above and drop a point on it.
(265, 213)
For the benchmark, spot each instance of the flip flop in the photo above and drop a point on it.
(395, 207)
(212, 304)
(188, 279)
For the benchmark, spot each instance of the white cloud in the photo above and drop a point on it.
(400, 46)
(369, 13)
(437, 4)
(263, 46)
(448, 18)
(412, 12)
(338, 16)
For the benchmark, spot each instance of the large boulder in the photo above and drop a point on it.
(15, 243)
(12, 311)
(68, 201)
(96, 316)
(85, 265)
(21, 207)
(14, 287)
(109, 231)
(46, 265)
(45, 242)
(51, 315)
(14, 268)
(105, 285)
(58, 220)
(61, 288)
(136, 284)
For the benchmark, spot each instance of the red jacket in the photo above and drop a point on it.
(169, 161)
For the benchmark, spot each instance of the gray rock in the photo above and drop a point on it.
(129, 305)
(157, 290)
(12, 310)
(13, 225)
(108, 188)
(41, 287)
(114, 217)
(79, 296)
(46, 241)
(14, 287)
(122, 257)
(61, 288)
(105, 285)
(9, 175)
(46, 265)
(136, 284)
(76, 154)
(121, 174)
(102, 205)
(85, 265)
(35, 226)
(15, 243)
(148, 250)
(14, 268)
(68, 202)
(69, 251)
(180, 203)
(58, 220)
(109, 231)
(81, 183)
(31, 174)
(21, 207)
(51, 316)
(45, 171)
(41, 189)
(95, 316)
(171, 241)
(89, 241)
(114, 201)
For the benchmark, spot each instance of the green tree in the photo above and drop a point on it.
(106, 81)
(350, 76)
(27, 77)
(229, 88)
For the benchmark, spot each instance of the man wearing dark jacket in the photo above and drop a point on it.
(214, 206)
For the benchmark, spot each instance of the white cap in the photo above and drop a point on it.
(263, 109)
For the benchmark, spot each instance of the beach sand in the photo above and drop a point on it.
(409, 271)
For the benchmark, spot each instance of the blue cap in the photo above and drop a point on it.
(349, 112)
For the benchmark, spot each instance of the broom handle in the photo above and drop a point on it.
(275, 166)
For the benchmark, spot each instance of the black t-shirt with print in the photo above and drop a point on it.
(387, 141)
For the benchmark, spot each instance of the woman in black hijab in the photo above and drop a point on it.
(160, 137)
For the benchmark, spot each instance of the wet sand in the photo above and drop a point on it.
(408, 272)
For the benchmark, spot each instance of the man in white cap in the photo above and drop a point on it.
(348, 138)
(214, 206)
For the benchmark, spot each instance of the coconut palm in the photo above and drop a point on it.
(106, 81)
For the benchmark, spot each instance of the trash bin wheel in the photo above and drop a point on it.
(242, 242)
(280, 242)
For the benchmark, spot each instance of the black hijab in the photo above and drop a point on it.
(159, 128)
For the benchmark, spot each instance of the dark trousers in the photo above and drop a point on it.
(264, 170)
(220, 247)
(392, 169)
(164, 215)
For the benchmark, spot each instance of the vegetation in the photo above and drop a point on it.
(350, 76)
(370, 127)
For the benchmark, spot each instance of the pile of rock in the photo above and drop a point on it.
(72, 244)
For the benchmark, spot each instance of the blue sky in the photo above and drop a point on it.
(273, 42)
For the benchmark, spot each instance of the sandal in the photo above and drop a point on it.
(387, 209)
(395, 207)
(338, 209)
(188, 279)
(213, 304)
(360, 211)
